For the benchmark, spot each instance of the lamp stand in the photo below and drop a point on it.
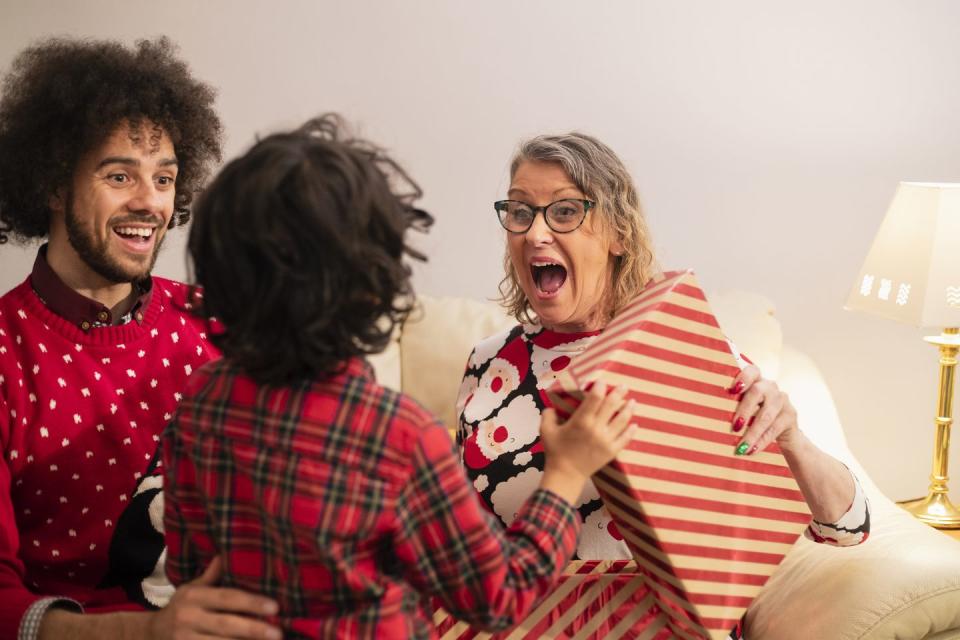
(936, 509)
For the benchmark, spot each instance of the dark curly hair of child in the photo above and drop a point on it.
(299, 247)
(64, 97)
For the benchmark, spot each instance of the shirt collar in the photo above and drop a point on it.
(78, 309)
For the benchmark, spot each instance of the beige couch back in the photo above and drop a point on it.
(428, 358)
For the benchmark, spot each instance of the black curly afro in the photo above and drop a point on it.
(64, 97)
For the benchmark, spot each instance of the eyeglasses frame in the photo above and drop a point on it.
(587, 206)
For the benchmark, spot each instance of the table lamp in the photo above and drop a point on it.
(912, 274)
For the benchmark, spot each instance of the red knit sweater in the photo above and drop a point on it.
(80, 417)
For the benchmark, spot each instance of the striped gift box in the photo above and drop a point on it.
(592, 599)
(706, 527)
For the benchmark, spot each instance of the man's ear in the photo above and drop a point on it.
(57, 201)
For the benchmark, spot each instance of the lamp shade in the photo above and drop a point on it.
(912, 273)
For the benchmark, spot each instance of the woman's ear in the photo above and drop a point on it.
(616, 248)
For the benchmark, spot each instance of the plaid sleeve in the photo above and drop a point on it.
(851, 529)
(453, 549)
(181, 563)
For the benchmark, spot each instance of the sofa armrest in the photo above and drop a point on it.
(903, 582)
(434, 346)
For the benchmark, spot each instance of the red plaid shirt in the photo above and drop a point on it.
(347, 503)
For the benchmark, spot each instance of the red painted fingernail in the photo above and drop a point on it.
(750, 422)
(738, 424)
(737, 388)
(752, 451)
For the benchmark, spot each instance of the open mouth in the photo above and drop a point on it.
(548, 276)
(135, 235)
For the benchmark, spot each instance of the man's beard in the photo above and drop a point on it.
(96, 255)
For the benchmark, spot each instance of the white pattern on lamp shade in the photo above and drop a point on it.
(884, 291)
(953, 296)
(903, 293)
(866, 285)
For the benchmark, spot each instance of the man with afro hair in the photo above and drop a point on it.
(102, 148)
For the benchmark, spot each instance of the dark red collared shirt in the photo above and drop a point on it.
(76, 308)
(347, 503)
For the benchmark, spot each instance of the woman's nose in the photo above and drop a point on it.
(539, 233)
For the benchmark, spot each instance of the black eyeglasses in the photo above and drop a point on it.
(562, 216)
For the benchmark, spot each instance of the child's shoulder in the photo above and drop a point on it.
(411, 423)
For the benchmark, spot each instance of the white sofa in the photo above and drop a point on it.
(903, 583)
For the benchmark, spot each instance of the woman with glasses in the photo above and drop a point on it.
(578, 250)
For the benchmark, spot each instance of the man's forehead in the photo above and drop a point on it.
(135, 140)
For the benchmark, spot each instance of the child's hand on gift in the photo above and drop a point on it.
(594, 434)
(764, 414)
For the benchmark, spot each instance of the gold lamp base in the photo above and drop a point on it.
(935, 510)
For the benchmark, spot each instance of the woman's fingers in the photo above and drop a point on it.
(774, 417)
(745, 379)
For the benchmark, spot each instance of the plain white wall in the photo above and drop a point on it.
(766, 139)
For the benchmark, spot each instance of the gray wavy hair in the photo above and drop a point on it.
(602, 177)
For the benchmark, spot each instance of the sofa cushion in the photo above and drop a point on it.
(434, 346)
(748, 320)
(902, 583)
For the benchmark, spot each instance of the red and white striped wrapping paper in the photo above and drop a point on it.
(706, 527)
(592, 599)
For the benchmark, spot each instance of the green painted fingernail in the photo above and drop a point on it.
(742, 449)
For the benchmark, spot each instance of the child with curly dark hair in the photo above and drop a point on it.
(286, 460)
